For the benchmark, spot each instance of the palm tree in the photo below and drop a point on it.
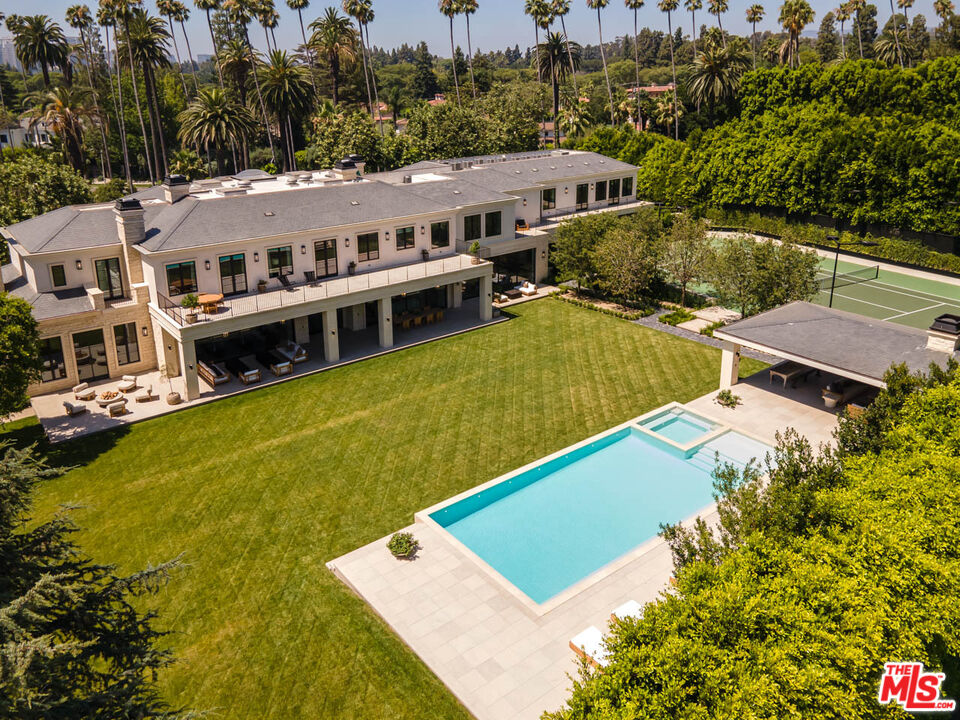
(636, 5)
(885, 49)
(181, 13)
(300, 6)
(554, 60)
(288, 95)
(13, 24)
(207, 6)
(64, 111)
(906, 5)
(122, 10)
(40, 41)
(599, 5)
(107, 19)
(3, 105)
(537, 10)
(235, 66)
(559, 9)
(717, 8)
(450, 9)
(943, 9)
(354, 9)
(843, 14)
(896, 35)
(794, 16)
(269, 19)
(333, 37)
(715, 74)
(366, 17)
(668, 113)
(468, 8)
(573, 121)
(166, 10)
(692, 6)
(668, 6)
(754, 15)
(80, 19)
(856, 6)
(214, 119)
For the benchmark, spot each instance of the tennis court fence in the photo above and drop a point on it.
(850, 278)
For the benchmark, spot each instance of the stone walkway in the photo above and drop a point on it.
(652, 321)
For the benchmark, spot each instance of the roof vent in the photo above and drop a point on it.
(354, 202)
(602, 162)
(457, 192)
(944, 333)
(243, 183)
(407, 179)
(268, 213)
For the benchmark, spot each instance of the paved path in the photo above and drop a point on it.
(653, 323)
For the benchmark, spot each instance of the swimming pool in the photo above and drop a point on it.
(679, 425)
(552, 525)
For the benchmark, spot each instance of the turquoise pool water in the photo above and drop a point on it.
(678, 425)
(553, 525)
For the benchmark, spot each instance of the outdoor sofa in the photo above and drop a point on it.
(244, 372)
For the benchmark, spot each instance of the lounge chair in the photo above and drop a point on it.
(630, 609)
(129, 384)
(74, 408)
(589, 645)
(244, 372)
(522, 224)
(278, 364)
(211, 374)
(145, 395)
(83, 391)
(117, 408)
(292, 352)
(528, 289)
(285, 281)
(310, 276)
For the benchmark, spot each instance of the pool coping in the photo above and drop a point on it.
(540, 609)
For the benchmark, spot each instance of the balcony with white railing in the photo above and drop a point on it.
(280, 296)
(552, 218)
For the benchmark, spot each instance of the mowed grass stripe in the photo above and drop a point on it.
(260, 490)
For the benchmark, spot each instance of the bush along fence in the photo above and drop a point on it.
(591, 304)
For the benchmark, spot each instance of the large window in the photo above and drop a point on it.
(548, 199)
(405, 239)
(59, 275)
(440, 234)
(108, 278)
(601, 191)
(52, 366)
(492, 223)
(325, 253)
(368, 246)
(583, 196)
(471, 228)
(182, 278)
(91, 354)
(614, 194)
(280, 261)
(233, 274)
(125, 337)
(627, 186)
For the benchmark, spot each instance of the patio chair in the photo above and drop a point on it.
(527, 288)
(129, 384)
(244, 372)
(117, 409)
(630, 609)
(74, 408)
(211, 374)
(589, 645)
(522, 224)
(310, 276)
(145, 395)
(292, 352)
(285, 281)
(83, 391)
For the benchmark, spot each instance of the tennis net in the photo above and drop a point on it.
(851, 278)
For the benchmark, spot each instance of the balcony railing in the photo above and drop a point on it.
(551, 218)
(303, 292)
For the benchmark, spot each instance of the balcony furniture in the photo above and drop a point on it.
(285, 281)
(109, 397)
(145, 395)
(211, 374)
(527, 288)
(118, 408)
(513, 294)
(791, 372)
(210, 302)
(74, 408)
(129, 383)
(244, 373)
(83, 391)
(292, 352)
(589, 645)
(522, 224)
(310, 276)
(278, 365)
(842, 391)
(405, 322)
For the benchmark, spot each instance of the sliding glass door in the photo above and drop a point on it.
(91, 354)
(233, 274)
(108, 278)
(325, 253)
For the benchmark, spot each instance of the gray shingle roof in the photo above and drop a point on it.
(48, 304)
(72, 228)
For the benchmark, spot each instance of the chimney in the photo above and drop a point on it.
(346, 169)
(130, 229)
(175, 187)
(944, 334)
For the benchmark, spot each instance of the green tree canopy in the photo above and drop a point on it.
(31, 185)
(19, 364)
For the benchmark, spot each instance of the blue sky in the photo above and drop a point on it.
(497, 23)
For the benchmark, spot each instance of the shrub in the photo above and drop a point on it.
(110, 190)
(727, 399)
(402, 544)
(677, 316)
(708, 330)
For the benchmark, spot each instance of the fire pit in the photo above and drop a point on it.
(108, 397)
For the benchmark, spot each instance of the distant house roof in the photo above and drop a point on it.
(846, 343)
(653, 90)
(438, 99)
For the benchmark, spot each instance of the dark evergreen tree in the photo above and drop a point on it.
(828, 41)
(868, 28)
(424, 84)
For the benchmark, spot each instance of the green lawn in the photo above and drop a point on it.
(260, 490)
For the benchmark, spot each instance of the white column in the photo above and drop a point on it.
(540, 257)
(331, 344)
(188, 366)
(301, 330)
(486, 297)
(385, 321)
(729, 365)
(454, 295)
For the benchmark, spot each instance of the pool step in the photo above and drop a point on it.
(707, 459)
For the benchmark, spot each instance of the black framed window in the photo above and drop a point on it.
(233, 274)
(182, 278)
(52, 366)
(280, 261)
(368, 246)
(440, 234)
(492, 222)
(91, 354)
(471, 228)
(627, 186)
(601, 191)
(125, 337)
(325, 254)
(583, 196)
(548, 199)
(59, 275)
(613, 195)
(405, 238)
(108, 278)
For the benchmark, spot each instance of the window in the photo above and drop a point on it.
(548, 199)
(91, 354)
(51, 360)
(280, 261)
(583, 196)
(614, 195)
(627, 186)
(108, 278)
(601, 192)
(492, 223)
(233, 274)
(471, 228)
(125, 337)
(182, 278)
(59, 275)
(405, 239)
(440, 234)
(368, 246)
(325, 253)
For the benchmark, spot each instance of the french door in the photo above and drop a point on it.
(233, 274)
(109, 279)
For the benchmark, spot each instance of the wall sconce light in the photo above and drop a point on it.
(79, 264)
(256, 257)
(591, 186)
(566, 191)
(303, 249)
(386, 234)
(543, 254)
(144, 331)
(423, 229)
(206, 264)
(524, 202)
(346, 242)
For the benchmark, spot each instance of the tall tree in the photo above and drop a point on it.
(857, 7)
(635, 5)
(40, 41)
(335, 40)
(269, 18)
(300, 6)
(80, 19)
(354, 9)
(288, 95)
(668, 6)
(181, 13)
(450, 8)
(794, 16)
(896, 34)
(560, 8)
(208, 6)
(20, 364)
(213, 120)
(166, 10)
(366, 18)
(906, 5)
(553, 56)
(123, 11)
(827, 46)
(717, 8)
(692, 6)
(754, 15)
(106, 18)
(537, 10)
(64, 110)
(468, 8)
(843, 14)
(714, 76)
(599, 5)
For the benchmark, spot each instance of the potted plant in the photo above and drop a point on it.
(261, 285)
(403, 545)
(191, 303)
(173, 397)
(475, 251)
(726, 398)
(425, 254)
(352, 267)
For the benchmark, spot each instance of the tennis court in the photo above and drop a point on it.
(887, 295)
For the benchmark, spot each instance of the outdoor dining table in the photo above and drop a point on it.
(209, 301)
